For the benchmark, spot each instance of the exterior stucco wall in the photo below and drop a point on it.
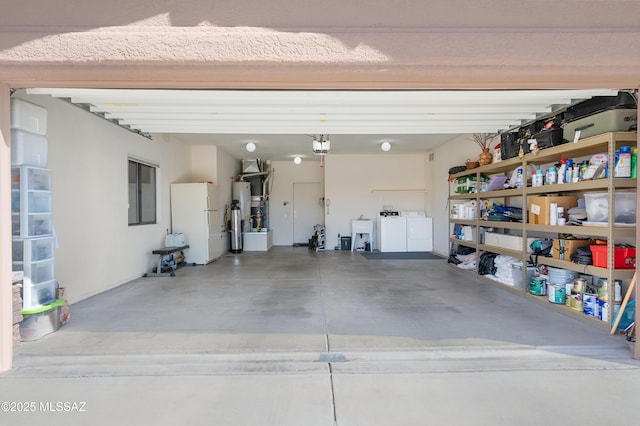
(308, 44)
(333, 44)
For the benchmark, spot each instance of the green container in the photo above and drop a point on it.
(538, 286)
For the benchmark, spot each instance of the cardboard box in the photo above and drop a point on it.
(539, 207)
(563, 249)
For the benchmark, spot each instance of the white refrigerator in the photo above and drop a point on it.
(195, 212)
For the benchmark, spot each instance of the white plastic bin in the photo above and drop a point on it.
(28, 149)
(597, 206)
(516, 274)
(29, 117)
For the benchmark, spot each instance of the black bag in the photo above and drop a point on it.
(464, 250)
(598, 104)
(550, 137)
(542, 247)
(457, 169)
(487, 264)
(509, 145)
(583, 256)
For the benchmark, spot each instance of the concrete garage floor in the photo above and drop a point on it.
(292, 337)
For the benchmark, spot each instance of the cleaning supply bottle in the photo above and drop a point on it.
(539, 178)
(552, 175)
(583, 169)
(623, 162)
(519, 178)
(568, 171)
(634, 163)
(563, 168)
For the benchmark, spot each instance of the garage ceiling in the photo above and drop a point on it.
(282, 123)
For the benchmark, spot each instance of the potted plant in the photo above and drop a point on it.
(483, 140)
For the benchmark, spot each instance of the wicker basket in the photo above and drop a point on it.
(472, 164)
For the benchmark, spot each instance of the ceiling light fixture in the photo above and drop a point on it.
(297, 160)
(250, 146)
(385, 146)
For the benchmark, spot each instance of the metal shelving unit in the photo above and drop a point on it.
(606, 142)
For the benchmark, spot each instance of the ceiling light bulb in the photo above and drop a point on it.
(386, 146)
(297, 160)
(251, 147)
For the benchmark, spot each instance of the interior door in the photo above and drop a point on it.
(307, 210)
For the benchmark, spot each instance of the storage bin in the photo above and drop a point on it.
(623, 258)
(32, 249)
(39, 322)
(597, 206)
(28, 149)
(35, 296)
(38, 202)
(36, 225)
(35, 272)
(29, 117)
(516, 274)
(30, 178)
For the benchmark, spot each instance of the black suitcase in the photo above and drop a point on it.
(598, 104)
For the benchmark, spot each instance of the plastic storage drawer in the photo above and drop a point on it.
(32, 249)
(31, 178)
(38, 295)
(35, 225)
(36, 272)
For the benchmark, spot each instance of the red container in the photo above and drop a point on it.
(624, 257)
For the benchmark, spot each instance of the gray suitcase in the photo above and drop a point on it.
(610, 120)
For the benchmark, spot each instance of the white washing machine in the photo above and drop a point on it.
(392, 232)
(419, 231)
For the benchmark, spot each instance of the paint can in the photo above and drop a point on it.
(538, 286)
(603, 290)
(568, 288)
(557, 293)
(590, 305)
(579, 285)
(603, 310)
(576, 301)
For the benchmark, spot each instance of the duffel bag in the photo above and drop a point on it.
(550, 137)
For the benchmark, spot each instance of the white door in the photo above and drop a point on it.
(307, 210)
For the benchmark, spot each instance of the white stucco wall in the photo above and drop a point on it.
(88, 158)
(360, 185)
